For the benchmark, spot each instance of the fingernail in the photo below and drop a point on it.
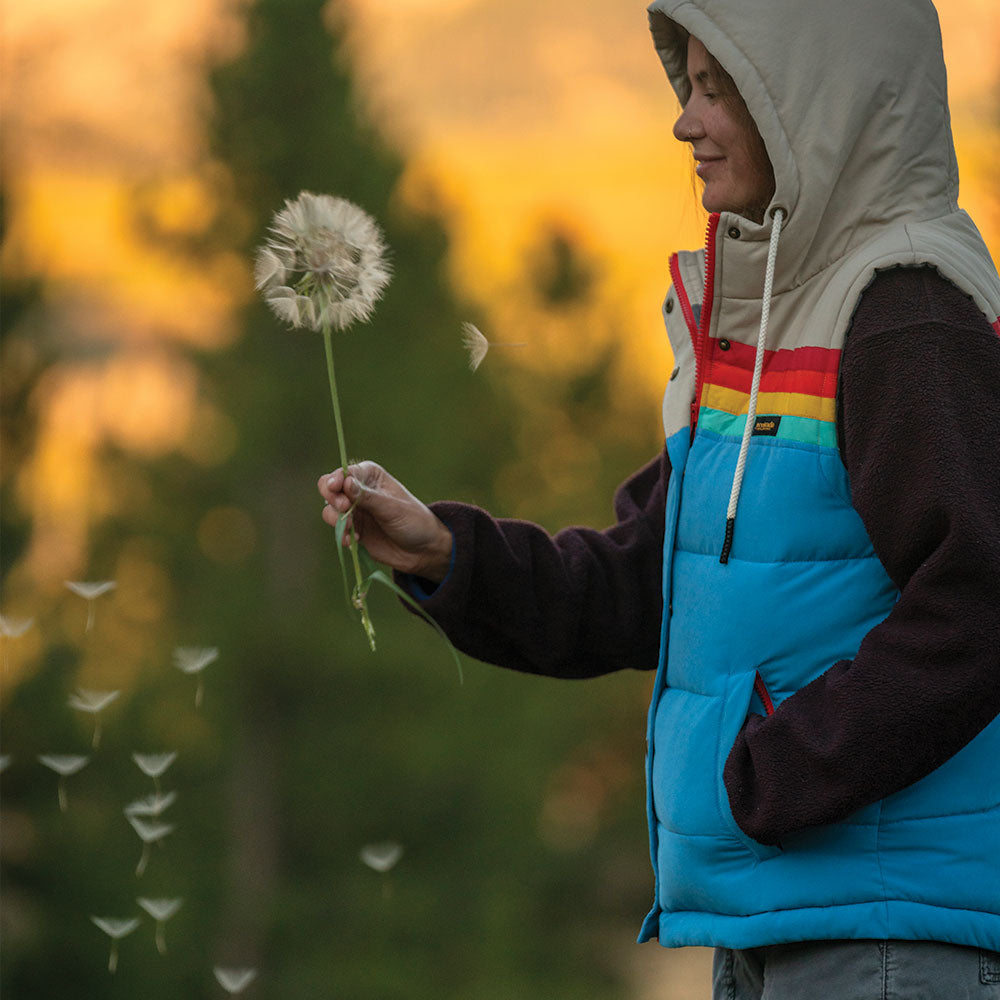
(329, 483)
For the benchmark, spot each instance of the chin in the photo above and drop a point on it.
(731, 205)
(716, 201)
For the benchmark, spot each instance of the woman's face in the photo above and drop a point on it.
(732, 160)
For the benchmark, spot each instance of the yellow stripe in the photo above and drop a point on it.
(793, 404)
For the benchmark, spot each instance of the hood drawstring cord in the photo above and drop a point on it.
(758, 367)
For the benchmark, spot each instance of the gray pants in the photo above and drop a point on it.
(857, 970)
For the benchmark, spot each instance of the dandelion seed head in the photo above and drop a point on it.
(14, 628)
(381, 857)
(324, 264)
(91, 590)
(85, 700)
(64, 764)
(475, 343)
(192, 660)
(234, 980)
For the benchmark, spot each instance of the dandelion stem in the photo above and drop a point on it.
(328, 344)
(360, 594)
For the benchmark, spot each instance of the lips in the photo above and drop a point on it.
(706, 164)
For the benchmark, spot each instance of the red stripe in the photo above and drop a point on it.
(996, 327)
(825, 360)
(811, 371)
(814, 359)
(804, 382)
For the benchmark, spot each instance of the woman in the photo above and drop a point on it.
(813, 562)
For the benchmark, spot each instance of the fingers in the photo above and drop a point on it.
(348, 527)
(331, 485)
(359, 488)
(338, 491)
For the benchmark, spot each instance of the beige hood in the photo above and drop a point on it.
(850, 97)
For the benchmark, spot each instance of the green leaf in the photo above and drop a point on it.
(380, 576)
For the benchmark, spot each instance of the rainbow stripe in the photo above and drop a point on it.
(798, 385)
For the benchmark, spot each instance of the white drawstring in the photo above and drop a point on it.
(758, 367)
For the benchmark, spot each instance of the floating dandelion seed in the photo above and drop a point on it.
(5, 760)
(64, 765)
(161, 910)
(149, 833)
(90, 592)
(152, 805)
(324, 267)
(116, 929)
(234, 981)
(193, 660)
(382, 858)
(13, 628)
(93, 702)
(477, 345)
(154, 765)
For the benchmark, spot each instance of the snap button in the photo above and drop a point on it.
(670, 305)
(734, 233)
(724, 345)
(674, 374)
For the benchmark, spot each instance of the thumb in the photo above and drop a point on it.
(363, 482)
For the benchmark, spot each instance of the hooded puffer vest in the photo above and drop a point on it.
(753, 614)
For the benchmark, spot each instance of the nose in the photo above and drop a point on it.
(688, 125)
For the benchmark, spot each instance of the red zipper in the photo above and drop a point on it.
(700, 342)
(763, 694)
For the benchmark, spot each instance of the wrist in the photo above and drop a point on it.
(437, 563)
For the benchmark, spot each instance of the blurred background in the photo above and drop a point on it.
(161, 431)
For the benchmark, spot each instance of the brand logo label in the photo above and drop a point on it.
(766, 425)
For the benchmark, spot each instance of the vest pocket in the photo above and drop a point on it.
(742, 690)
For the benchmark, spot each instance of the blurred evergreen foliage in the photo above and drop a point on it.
(518, 800)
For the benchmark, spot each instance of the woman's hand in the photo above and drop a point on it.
(392, 524)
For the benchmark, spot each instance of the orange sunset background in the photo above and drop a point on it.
(510, 116)
(513, 119)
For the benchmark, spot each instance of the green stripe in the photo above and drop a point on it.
(804, 430)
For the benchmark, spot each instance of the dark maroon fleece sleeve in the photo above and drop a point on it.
(585, 602)
(919, 420)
